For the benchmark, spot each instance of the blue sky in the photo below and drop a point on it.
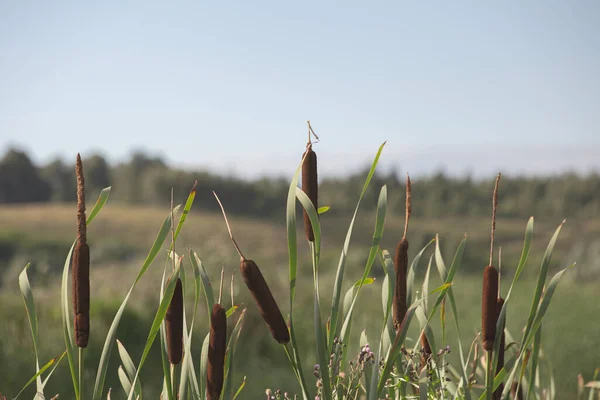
(478, 86)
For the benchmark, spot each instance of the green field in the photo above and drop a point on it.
(121, 236)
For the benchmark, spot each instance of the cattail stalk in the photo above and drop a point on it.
(216, 352)
(498, 392)
(174, 325)
(399, 305)
(310, 184)
(260, 290)
(81, 267)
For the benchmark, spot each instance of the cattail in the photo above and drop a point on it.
(260, 290)
(426, 351)
(498, 393)
(489, 305)
(174, 325)
(264, 300)
(490, 287)
(81, 267)
(399, 306)
(216, 352)
(310, 185)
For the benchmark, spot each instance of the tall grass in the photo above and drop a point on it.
(384, 364)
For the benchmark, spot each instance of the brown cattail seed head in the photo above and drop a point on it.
(216, 352)
(489, 307)
(81, 293)
(174, 325)
(264, 300)
(310, 186)
(400, 265)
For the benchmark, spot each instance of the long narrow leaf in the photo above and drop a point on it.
(112, 332)
(158, 318)
(55, 361)
(377, 234)
(27, 295)
(339, 277)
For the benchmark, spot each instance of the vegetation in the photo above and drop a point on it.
(358, 350)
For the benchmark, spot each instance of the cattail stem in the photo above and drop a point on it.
(498, 391)
(494, 207)
(216, 352)
(81, 396)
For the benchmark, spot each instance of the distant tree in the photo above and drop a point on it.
(20, 181)
(61, 179)
(97, 174)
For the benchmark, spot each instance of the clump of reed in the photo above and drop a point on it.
(399, 305)
(260, 291)
(81, 266)
(216, 352)
(310, 184)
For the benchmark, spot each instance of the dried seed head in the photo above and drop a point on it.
(497, 395)
(310, 186)
(174, 325)
(399, 306)
(426, 350)
(81, 266)
(489, 307)
(81, 220)
(216, 352)
(264, 300)
(81, 292)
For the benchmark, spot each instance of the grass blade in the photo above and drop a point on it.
(112, 332)
(128, 367)
(158, 318)
(231, 345)
(540, 283)
(443, 274)
(27, 294)
(377, 234)
(337, 288)
(291, 234)
(55, 361)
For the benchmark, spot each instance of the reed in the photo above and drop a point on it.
(81, 266)
(399, 306)
(260, 291)
(216, 352)
(174, 325)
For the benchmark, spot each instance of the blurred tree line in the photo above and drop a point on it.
(148, 180)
